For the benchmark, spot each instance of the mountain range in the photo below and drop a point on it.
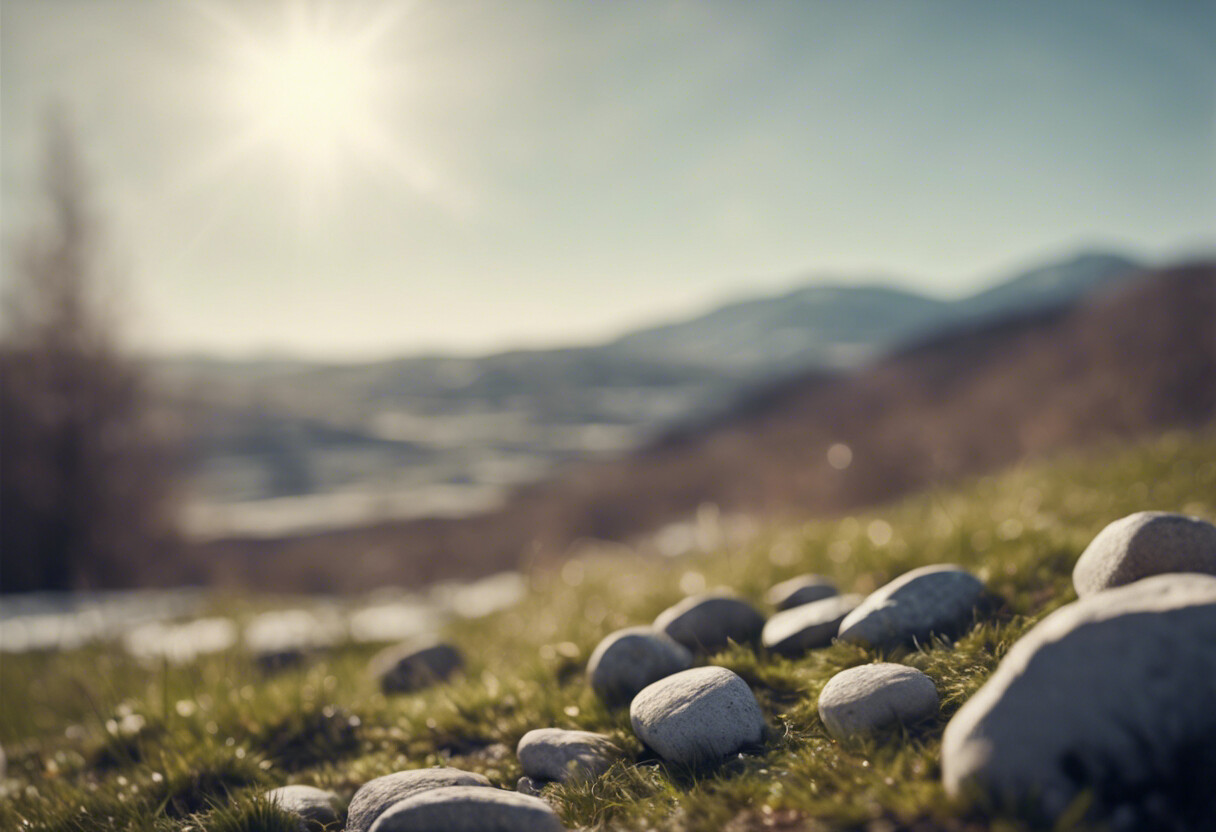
(283, 445)
(1137, 360)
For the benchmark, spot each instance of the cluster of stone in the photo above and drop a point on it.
(1105, 698)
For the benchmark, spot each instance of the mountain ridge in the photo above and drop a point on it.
(501, 420)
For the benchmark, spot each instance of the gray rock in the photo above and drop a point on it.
(467, 809)
(794, 631)
(707, 623)
(315, 807)
(804, 589)
(415, 665)
(1143, 544)
(697, 716)
(628, 660)
(930, 600)
(865, 699)
(526, 785)
(375, 796)
(558, 754)
(1114, 693)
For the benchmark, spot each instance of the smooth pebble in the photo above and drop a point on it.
(469, 809)
(804, 589)
(708, 622)
(1144, 544)
(794, 631)
(865, 699)
(628, 660)
(697, 716)
(375, 796)
(930, 600)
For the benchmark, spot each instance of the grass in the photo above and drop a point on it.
(97, 740)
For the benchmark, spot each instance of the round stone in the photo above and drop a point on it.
(415, 665)
(794, 631)
(1144, 544)
(628, 660)
(561, 755)
(697, 716)
(930, 600)
(526, 785)
(804, 589)
(709, 622)
(865, 699)
(375, 796)
(469, 809)
(314, 807)
(1113, 695)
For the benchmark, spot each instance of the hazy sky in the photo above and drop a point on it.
(362, 178)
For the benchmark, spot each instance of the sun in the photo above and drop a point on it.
(314, 95)
(313, 92)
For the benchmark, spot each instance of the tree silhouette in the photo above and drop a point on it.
(85, 477)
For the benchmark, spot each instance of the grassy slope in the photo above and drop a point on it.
(218, 732)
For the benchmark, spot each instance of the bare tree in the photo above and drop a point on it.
(85, 479)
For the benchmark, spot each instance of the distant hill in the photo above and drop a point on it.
(1137, 360)
(825, 326)
(403, 435)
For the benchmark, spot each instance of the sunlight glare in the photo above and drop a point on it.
(314, 96)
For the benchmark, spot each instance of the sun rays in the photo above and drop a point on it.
(316, 94)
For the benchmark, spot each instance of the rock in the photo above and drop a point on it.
(375, 796)
(628, 660)
(1115, 693)
(707, 623)
(315, 807)
(468, 809)
(801, 590)
(794, 631)
(1143, 544)
(930, 600)
(557, 754)
(697, 716)
(526, 785)
(414, 665)
(865, 699)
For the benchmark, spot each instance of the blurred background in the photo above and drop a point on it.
(319, 297)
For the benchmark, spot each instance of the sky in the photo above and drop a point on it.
(361, 179)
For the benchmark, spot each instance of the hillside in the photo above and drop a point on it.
(1132, 363)
(475, 427)
(98, 739)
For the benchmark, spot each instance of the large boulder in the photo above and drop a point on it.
(1143, 544)
(865, 699)
(375, 796)
(708, 622)
(561, 755)
(628, 660)
(1114, 694)
(415, 665)
(698, 716)
(930, 600)
(467, 809)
